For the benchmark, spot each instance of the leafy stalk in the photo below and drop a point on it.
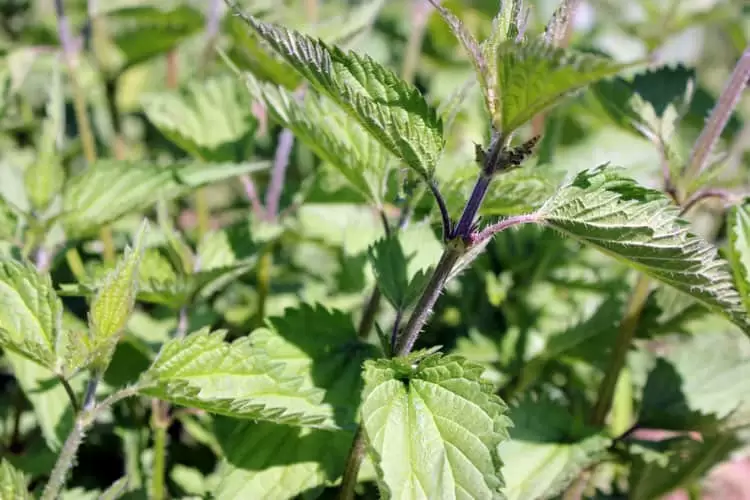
(624, 339)
(160, 422)
(730, 96)
(84, 125)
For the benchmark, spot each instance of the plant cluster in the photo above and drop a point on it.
(443, 293)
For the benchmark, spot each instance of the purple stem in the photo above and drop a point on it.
(490, 231)
(280, 164)
(720, 115)
(252, 195)
(465, 223)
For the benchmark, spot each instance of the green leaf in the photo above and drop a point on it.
(739, 250)
(321, 348)
(114, 303)
(696, 384)
(30, 314)
(233, 379)
(45, 177)
(642, 228)
(533, 76)
(393, 111)
(392, 276)
(211, 120)
(433, 428)
(683, 462)
(143, 32)
(109, 190)
(331, 134)
(266, 460)
(116, 490)
(542, 456)
(13, 483)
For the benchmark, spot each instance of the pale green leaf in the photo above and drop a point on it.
(13, 483)
(108, 190)
(533, 76)
(30, 314)
(641, 228)
(542, 457)
(211, 120)
(393, 111)
(331, 134)
(116, 490)
(234, 379)
(433, 428)
(739, 250)
(266, 460)
(45, 177)
(696, 384)
(114, 302)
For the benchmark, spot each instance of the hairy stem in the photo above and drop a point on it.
(504, 224)
(703, 194)
(465, 223)
(624, 339)
(368, 315)
(65, 461)
(160, 422)
(353, 464)
(730, 96)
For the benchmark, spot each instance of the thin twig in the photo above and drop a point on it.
(252, 194)
(703, 194)
(730, 96)
(278, 174)
(504, 224)
(70, 392)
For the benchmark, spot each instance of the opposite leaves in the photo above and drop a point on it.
(433, 428)
(642, 228)
(393, 111)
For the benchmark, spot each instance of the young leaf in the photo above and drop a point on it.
(533, 76)
(203, 371)
(739, 250)
(391, 273)
(13, 483)
(211, 119)
(433, 428)
(542, 457)
(114, 303)
(393, 111)
(30, 314)
(108, 190)
(332, 135)
(696, 384)
(473, 49)
(641, 228)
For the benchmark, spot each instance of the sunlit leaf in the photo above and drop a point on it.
(13, 483)
(739, 250)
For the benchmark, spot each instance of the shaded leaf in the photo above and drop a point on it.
(393, 111)
(641, 228)
(109, 189)
(533, 76)
(392, 275)
(433, 428)
(542, 456)
(233, 379)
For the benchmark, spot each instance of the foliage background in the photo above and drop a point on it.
(157, 93)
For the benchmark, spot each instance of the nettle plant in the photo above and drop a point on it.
(600, 280)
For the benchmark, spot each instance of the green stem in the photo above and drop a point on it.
(75, 263)
(160, 422)
(624, 339)
(65, 460)
(353, 464)
(264, 283)
(69, 391)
